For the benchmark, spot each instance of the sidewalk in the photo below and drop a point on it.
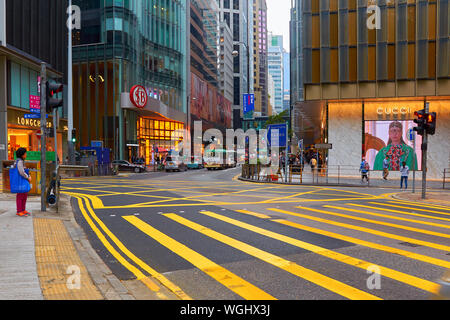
(41, 255)
(432, 197)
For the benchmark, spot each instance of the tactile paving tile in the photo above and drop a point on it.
(55, 253)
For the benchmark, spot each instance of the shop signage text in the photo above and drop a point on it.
(393, 110)
(36, 123)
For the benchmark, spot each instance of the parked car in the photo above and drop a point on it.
(196, 163)
(175, 164)
(126, 166)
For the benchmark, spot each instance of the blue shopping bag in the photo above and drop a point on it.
(18, 183)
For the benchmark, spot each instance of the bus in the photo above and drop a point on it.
(219, 159)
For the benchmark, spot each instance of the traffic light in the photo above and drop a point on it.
(52, 89)
(74, 135)
(421, 122)
(431, 123)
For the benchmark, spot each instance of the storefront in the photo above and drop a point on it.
(25, 133)
(152, 128)
(376, 128)
(157, 137)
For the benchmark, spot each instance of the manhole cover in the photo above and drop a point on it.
(407, 244)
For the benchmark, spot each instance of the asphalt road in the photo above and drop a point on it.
(206, 235)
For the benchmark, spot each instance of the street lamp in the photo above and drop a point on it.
(236, 54)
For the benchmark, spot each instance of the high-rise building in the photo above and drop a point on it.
(365, 73)
(31, 32)
(260, 62)
(226, 61)
(208, 104)
(122, 44)
(276, 68)
(286, 81)
(238, 14)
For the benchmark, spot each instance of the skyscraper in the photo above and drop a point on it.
(276, 68)
(238, 14)
(360, 78)
(31, 32)
(122, 44)
(260, 62)
(208, 104)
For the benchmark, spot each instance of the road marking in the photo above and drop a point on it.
(398, 226)
(372, 245)
(417, 204)
(410, 208)
(363, 229)
(334, 255)
(286, 265)
(255, 214)
(401, 212)
(139, 275)
(231, 281)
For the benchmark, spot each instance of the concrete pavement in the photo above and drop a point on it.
(42, 255)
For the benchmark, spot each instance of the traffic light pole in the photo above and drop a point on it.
(424, 156)
(43, 89)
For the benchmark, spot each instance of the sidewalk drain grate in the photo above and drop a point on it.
(407, 244)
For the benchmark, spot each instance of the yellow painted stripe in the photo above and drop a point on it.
(387, 272)
(401, 212)
(438, 234)
(289, 266)
(139, 275)
(363, 229)
(411, 208)
(372, 245)
(405, 213)
(417, 204)
(220, 274)
(255, 214)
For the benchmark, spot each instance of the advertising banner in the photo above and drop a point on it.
(390, 140)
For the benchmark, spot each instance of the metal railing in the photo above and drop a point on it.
(446, 179)
(296, 174)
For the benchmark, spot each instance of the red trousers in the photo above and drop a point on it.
(21, 201)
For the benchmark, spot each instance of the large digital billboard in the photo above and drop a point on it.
(390, 139)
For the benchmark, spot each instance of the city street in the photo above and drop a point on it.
(207, 235)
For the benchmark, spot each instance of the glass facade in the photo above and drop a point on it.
(161, 133)
(123, 43)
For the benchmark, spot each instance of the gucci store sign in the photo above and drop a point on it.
(391, 110)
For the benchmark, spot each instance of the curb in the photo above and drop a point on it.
(397, 197)
(323, 184)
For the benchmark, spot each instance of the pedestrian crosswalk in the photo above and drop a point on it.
(376, 227)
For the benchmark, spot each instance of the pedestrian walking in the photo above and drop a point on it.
(386, 168)
(404, 170)
(313, 166)
(364, 169)
(21, 198)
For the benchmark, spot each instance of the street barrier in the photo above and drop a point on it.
(446, 179)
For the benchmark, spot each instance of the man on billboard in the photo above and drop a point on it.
(397, 151)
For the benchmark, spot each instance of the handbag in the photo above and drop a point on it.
(18, 183)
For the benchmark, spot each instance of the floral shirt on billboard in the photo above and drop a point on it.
(397, 154)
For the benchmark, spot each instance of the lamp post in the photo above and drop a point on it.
(236, 53)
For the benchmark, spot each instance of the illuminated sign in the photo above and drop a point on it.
(138, 96)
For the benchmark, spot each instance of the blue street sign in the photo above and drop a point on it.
(33, 116)
(279, 137)
(249, 105)
(35, 110)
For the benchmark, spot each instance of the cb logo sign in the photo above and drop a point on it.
(138, 96)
